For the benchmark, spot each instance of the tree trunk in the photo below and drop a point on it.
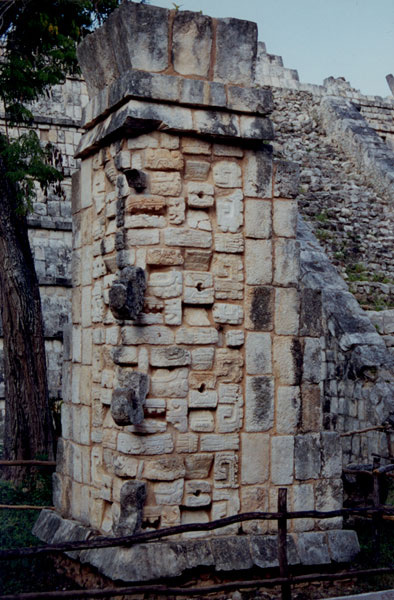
(28, 423)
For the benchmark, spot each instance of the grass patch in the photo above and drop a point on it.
(28, 575)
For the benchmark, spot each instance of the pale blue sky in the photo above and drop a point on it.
(344, 38)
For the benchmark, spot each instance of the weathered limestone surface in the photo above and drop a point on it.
(199, 396)
(185, 388)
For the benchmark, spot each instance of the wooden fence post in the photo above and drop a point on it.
(376, 520)
(282, 542)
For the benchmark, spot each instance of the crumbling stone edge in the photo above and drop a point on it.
(144, 562)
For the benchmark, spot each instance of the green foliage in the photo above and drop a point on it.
(322, 217)
(357, 272)
(39, 39)
(323, 234)
(26, 161)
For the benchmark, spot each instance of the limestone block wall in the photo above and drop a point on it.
(358, 374)
(189, 369)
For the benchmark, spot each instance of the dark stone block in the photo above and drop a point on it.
(250, 100)
(312, 547)
(47, 525)
(262, 308)
(261, 173)
(132, 500)
(76, 191)
(198, 553)
(97, 60)
(217, 124)
(126, 295)
(236, 49)
(343, 545)
(297, 354)
(127, 404)
(136, 179)
(311, 413)
(217, 94)
(311, 313)
(287, 179)
(192, 91)
(120, 240)
(133, 83)
(265, 551)
(364, 358)
(120, 204)
(257, 128)
(231, 553)
(307, 456)
(260, 400)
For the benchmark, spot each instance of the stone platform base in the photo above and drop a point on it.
(157, 560)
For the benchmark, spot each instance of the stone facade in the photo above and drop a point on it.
(215, 354)
(192, 386)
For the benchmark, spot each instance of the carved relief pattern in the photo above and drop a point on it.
(208, 382)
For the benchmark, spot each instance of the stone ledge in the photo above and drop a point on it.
(182, 91)
(157, 560)
(136, 118)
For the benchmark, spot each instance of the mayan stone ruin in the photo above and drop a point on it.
(213, 353)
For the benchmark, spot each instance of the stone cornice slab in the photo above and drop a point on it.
(136, 118)
(178, 90)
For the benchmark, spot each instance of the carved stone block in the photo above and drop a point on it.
(227, 174)
(228, 277)
(171, 356)
(229, 365)
(207, 399)
(230, 393)
(227, 313)
(199, 219)
(225, 470)
(170, 383)
(187, 443)
(198, 466)
(163, 257)
(235, 338)
(197, 493)
(176, 210)
(166, 285)
(200, 195)
(145, 205)
(229, 418)
(127, 404)
(202, 358)
(198, 288)
(170, 516)
(232, 243)
(177, 414)
(202, 421)
(173, 311)
(132, 500)
(167, 468)
(230, 212)
(169, 493)
(197, 260)
(126, 295)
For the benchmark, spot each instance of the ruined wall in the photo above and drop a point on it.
(57, 120)
(193, 388)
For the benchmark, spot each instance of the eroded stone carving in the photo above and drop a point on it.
(126, 295)
(132, 499)
(127, 404)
